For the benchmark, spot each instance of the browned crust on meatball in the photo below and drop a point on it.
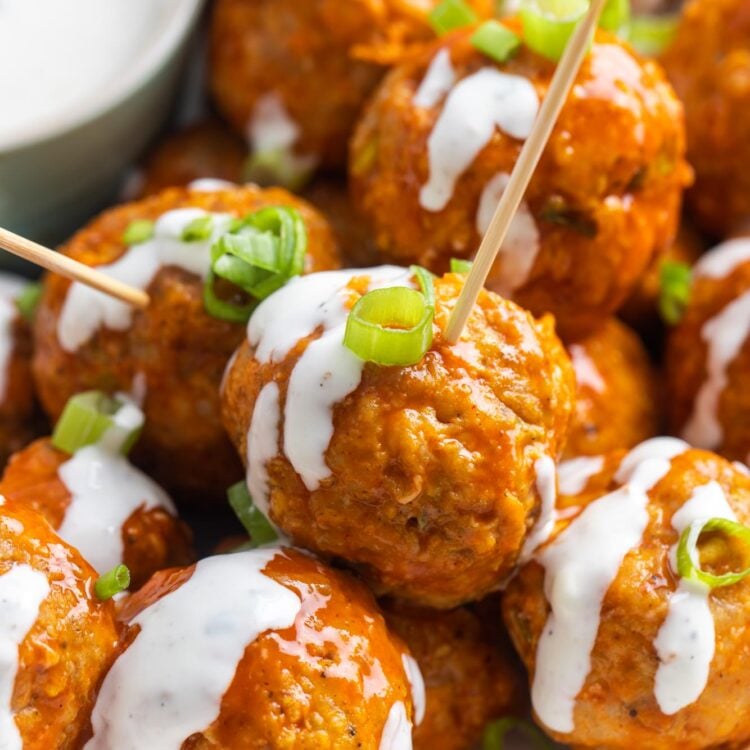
(175, 343)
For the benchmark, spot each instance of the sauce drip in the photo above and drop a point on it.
(546, 487)
(723, 259)
(416, 681)
(573, 475)
(397, 731)
(438, 81)
(262, 444)
(170, 681)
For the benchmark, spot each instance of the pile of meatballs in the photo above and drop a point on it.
(477, 544)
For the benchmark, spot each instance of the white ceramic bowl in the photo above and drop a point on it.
(55, 176)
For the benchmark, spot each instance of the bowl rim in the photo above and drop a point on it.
(176, 25)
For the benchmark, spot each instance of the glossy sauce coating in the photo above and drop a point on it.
(174, 348)
(64, 656)
(327, 681)
(431, 486)
(604, 199)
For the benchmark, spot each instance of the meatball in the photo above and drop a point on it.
(147, 539)
(173, 353)
(294, 73)
(617, 403)
(422, 476)
(709, 65)
(470, 672)
(282, 652)
(205, 150)
(623, 651)
(58, 640)
(708, 355)
(433, 152)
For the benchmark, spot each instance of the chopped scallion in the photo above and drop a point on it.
(688, 562)
(256, 524)
(426, 284)
(496, 41)
(674, 291)
(451, 14)
(651, 35)
(458, 265)
(140, 230)
(112, 583)
(198, 229)
(549, 24)
(28, 300)
(615, 16)
(278, 167)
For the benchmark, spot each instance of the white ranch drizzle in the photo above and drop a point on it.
(546, 487)
(724, 335)
(85, 310)
(416, 682)
(10, 288)
(580, 566)
(170, 681)
(397, 731)
(476, 106)
(262, 444)
(686, 641)
(438, 81)
(210, 185)
(573, 475)
(327, 371)
(22, 591)
(521, 244)
(723, 259)
(587, 373)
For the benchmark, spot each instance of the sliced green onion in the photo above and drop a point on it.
(28, 300)
(256, 524)
(496, 40)
(278, 166)
(688, 563)
(89, 417)
(615, 16)
(258, 256)
(458, 265)
(451, 14)
(112, 583)
(426, 284)
(651, 35)
(495, 733)
(198, 229)
(549, 24)
(140, 230)
(390, 327)
(674, 291)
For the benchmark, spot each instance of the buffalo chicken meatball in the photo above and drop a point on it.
(708, 355)
(57, 639)
(434, 149)
(617, 404)
(471, 675)
(172, 354)
(709, 65)
(625, 647)
(293, 74)
(422, 476)
(257, 649)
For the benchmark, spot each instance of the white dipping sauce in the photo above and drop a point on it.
(397, 731)
(586, 371)
(326, 372)
(438, 81)
(723, 259)
(546, 487)
(686, 641)
(56, 56)
(573, 475)
(262, 444)
(210, 185)
(170, 682)
(416, 682)
(85, 309)
(22, 591)
(580, 565)
(478, 104)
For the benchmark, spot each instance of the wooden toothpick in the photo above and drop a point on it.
(71, 269)
(560, 86)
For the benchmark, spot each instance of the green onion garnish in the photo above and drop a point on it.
(688, 563)
(258, 255)
(451, 14)
(87, 417)
(674, 291)
(140, 230)
(495, 734)
(390, 327)
(112, 583)
(426, 280)
(496, 41)
(549, 24)
(28, 300)
(278, 167)
(256, 524)
(458, 265)
(615, 16)
(198, 229)
(651, 35)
